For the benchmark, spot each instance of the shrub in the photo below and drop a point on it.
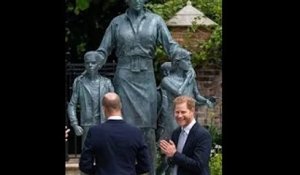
(215, 164)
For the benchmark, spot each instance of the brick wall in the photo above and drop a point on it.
(209, 80)
(185, 38)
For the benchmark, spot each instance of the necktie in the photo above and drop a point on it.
(181, 141)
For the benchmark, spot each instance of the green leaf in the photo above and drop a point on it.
(76, 11)
(81, 5)
(81, 48)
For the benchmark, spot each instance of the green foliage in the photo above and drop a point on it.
(211, 8)
(206, 52)
(211, 50)
(166, 10)
(81, 48)
(215, 134)
(73, 41)
(81, 5)
(85, 24)
(214, 130)
(70, 7)
(215, 164)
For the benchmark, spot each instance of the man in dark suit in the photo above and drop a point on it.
(188, 151)
(115, 146)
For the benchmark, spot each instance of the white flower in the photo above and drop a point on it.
(218, 147)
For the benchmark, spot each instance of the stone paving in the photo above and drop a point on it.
(72, 166)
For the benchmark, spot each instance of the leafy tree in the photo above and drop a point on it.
(85, 24)
(215, 164)
(207, 52)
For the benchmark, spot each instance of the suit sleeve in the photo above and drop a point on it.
(86, 162)
(201, 155)
(143, 159)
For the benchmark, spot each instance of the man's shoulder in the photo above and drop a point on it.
(94, 128)
(200, 130)
(132, 129)
(131, 126)
(98, 127)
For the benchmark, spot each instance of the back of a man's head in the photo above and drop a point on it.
(111, 103)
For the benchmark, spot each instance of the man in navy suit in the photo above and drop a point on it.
(116, 147)
(188, 151)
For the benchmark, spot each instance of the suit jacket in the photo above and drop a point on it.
(117, 148)
(195, 155)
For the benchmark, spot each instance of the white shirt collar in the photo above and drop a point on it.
(189, 126)
(114, 118)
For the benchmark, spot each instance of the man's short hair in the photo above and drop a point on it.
(190, 102)
(112, 104)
